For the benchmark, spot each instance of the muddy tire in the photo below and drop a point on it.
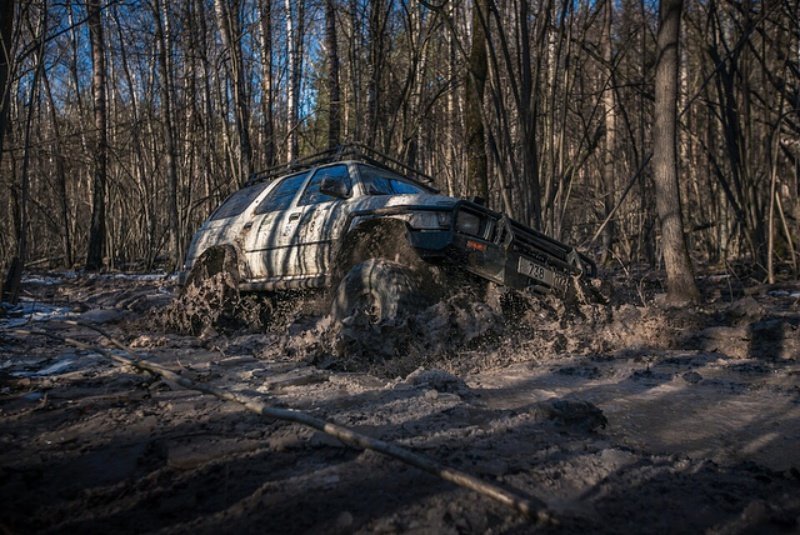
(210, 297)
(378, 291)
(213, 261)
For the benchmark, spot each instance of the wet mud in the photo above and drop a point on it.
(630, 416)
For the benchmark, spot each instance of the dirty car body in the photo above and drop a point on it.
(286, 225)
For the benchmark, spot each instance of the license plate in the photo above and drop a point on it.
(541, 273)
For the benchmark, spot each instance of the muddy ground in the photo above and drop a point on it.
(628, 417)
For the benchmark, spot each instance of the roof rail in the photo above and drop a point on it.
(347, 151)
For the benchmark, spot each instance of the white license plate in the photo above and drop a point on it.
(541, 273)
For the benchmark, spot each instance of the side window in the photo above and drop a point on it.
(282, 194)
(312, 194)
(238, 202)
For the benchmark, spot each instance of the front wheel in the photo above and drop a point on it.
(378, 291)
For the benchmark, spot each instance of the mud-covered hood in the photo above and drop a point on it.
(385, 201)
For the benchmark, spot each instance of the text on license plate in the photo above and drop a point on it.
(541, 273)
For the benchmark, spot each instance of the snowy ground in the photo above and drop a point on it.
(623, 418)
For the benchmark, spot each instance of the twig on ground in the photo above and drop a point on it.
(530, 507)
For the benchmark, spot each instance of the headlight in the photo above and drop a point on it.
(468, 223)
(427, 220)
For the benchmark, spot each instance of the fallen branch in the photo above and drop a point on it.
(530, 507)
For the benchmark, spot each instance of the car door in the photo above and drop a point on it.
(270, 231)
(319, 221)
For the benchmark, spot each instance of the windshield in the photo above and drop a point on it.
(381, 182)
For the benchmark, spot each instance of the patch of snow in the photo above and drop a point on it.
(136, 276)
(69, 361)
(28, 311)
(41, 280)
(783, 293)
(56, 368)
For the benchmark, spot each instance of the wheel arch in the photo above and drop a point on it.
(379, 237)
(217, 258)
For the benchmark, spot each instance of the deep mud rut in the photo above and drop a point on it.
(622, 418)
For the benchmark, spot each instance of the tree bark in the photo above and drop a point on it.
(97, 229)
(334, 115)
(477, 172)
(681, 286)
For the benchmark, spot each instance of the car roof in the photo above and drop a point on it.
(349, 153)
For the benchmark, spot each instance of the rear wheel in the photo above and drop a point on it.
(213, 261)
(210, 297)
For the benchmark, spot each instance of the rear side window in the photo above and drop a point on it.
(312, 194)
(282, 194)
(238, 202)
(378, 182)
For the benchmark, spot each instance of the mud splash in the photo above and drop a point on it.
(212, 306)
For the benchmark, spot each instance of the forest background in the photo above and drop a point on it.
(126, 122)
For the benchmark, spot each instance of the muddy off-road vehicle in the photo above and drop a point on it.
(373, 231)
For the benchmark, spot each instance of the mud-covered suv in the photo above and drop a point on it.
(367, 226)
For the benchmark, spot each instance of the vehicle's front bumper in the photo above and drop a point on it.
(505, 251)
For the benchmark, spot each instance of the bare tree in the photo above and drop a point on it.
(12, 285)
(266, 82)
(97, 229)
(6, 29)
(610, 114)
(294, 42)
(162, 17)
(230, 30)
(376, 28)
(681, 287)
(334, 115)
(477, 172)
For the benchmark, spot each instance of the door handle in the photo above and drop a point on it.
(247, 225)
(294, 217)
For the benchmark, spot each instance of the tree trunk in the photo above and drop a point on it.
(609, 155)
(97, 229)
(292, 40)
(681, 287)
(61, 175)
(12, 286)
(161, 14)
(376, 63)
(6, 31)
(334, 116)
(266, 82)
(228, 20)
(477, 172)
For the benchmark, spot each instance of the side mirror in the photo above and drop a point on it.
(335, 187)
